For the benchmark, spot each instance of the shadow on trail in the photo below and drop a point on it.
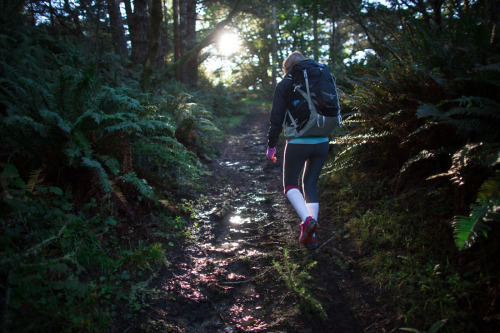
(225, 277)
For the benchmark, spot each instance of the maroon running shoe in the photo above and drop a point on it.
(307, 228)
(313, 244)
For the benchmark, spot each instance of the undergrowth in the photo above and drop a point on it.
(414, 175)
(69, 268)
(93, 174)
(295, 273)
(406, 248)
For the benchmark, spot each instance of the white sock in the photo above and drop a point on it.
(297, 201)
(313, 209)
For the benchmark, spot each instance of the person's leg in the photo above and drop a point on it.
(295, 158)
(297, 200)
(313, 209)
(312, 171)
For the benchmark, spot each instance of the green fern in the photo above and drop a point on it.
(141, 185)
(470, 229)
(124, 126)
(490, 188)
(34, 179)
(103, 175)
(110, 163)
(342, 160)
(169, 159)
(421, 156)
(474, 114)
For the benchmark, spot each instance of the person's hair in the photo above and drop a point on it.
(292, 60)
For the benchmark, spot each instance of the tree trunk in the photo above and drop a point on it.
(138, 23)
(275, 62)
(335, 52)
(117, 30)
(436, 9)
(153, 42)
(163, 51)
(185, 40)
(177, 35)
(181, 73)
(315, 43)
(192, 64)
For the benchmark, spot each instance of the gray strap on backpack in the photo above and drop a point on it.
(312, 107)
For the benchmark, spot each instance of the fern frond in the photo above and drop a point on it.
(342, 160)
(490, 188)
(477, 154)
(490, 113)
(10, 89)
(155, 125)
(71, 151)
(96, 116)
(126, 126)
(110, 163)
(79, 145)
(119, 116)
(140, 184)
(168, 158)
(51, 116)
(34, 179)
(470, 229)
(103, 176)
(118, 193)
(25, 122)
(430, 110)
(423, 155)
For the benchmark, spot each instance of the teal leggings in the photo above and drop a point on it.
(307, 157)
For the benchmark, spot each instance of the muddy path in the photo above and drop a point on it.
(242, 270)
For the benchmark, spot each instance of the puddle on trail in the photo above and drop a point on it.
(226, 257)
(229, 163)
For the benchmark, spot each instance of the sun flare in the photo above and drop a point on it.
(228, 43)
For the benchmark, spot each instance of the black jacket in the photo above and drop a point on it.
(278, 112)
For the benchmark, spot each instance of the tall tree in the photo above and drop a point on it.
(177, 36)
(164, 47)
(138, 22)
(335, 42)
(274, 28)
(185, 39)
(316, 42)
(117, 29)
(192, 65)
(153, 43)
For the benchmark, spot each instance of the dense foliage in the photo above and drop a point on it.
(91, 174)
(421, 160)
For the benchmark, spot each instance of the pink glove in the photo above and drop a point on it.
(270, 154)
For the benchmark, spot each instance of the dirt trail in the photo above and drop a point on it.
(223, 278)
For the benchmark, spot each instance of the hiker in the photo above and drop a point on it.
(307, 153)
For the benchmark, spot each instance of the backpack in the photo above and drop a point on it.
(313, 108)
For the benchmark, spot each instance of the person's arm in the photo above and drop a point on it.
(278, 112)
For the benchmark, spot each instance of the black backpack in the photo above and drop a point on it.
(313, 108)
